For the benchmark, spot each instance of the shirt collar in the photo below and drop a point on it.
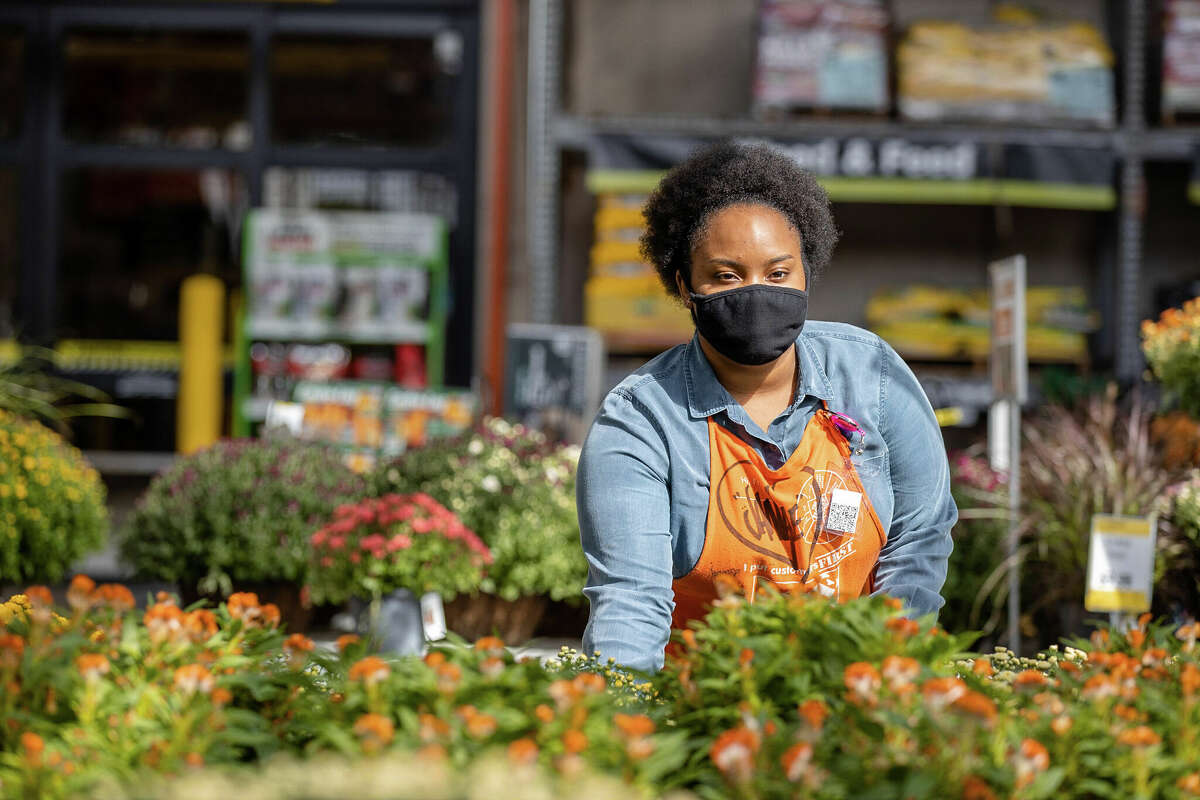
(706, 395)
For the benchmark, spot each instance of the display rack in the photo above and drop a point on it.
(550, 131)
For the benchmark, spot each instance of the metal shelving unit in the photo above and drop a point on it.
(1132, 143)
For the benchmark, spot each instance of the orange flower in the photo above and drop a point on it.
(894, 603)
(1029, 679)
(633, 726)
(80, 594)
(40, 596)
(434, 658)
(982, 667)
(902, 627)
(746, 656)
(1137, 638)
(862, 680)
(243, 606)
(733, 753)
(900, 672)
(491, 667)
(375, 731)
(1189, 679)
(1100, 639)
(975, 788)
(200, 625)
(544, 713)
(92, 666)
(1049, 703)
(164, 622)
(480, 726)
(346, 640)
(370, 670)
(797, 760)
(589, 683)
(639, 748)
(194, 760)
(689, 638)
(193, 678)
(941, 692)
(1188, 634)
(33, 746)
(574, 741)
(976, 705)
(448, 676)
(269, 613)
(491, 645)
(1141, 736)
(814, 712)
(431, 728)
(523, 752)
(1154, 657)
(564, 693)
(298, 643)
(12, 647)
(1190, 783)
(1029, 760)
(222, 697)
(1099, 687)
(1061, 724)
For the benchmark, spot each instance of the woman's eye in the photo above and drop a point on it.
(779, 274)
(727, 276)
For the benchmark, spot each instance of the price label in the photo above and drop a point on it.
(1120, 575)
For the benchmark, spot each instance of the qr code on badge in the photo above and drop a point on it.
(843, 511)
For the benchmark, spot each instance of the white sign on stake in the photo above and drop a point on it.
(1120, 576)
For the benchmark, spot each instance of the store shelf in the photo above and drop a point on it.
(574, 130)
(417, 334)
(85, 155)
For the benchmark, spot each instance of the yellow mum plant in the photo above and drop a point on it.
(52, 508)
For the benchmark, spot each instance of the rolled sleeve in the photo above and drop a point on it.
(624, 522)
(912, 564)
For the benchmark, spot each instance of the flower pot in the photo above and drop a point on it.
(394, 624)
(473, 616)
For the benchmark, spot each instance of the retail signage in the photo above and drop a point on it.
(896, 168)
(553, 375)
(1009, 365)
(1120, 575)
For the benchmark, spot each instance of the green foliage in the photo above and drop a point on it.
(52, 508)
(28, 390)
(241, 510)
(979, 539)
(516, 491)
(395, 542)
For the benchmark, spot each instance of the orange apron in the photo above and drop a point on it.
(807, 526)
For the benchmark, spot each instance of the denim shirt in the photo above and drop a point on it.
(643, 484)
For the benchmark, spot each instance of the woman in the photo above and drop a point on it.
(803, 455)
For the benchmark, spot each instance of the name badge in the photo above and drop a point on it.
(843, 511)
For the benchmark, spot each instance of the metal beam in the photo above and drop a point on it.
(542, 156)
(1133, 199)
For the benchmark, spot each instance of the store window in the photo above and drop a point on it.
(130, 237)
(12, 82)
(10, 254)
(382, 92)
(157, 88)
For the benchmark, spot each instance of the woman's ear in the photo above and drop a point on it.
(684, 292)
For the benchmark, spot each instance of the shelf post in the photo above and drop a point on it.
(542, 156)
(1133, 197)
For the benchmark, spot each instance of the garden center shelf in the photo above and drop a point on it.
(1096, 156)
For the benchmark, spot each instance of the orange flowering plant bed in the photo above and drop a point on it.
(787, 697)
(394, 542)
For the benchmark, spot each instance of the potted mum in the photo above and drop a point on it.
(397, 547)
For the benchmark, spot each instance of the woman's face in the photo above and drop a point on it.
(743, 245)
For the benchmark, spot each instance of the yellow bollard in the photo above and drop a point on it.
(198, 407)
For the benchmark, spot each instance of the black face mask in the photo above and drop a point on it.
(751, 324)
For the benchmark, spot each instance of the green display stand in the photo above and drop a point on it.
(344, 278)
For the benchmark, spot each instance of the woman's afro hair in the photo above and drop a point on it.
(726, 174)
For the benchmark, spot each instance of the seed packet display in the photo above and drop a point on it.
(291, 277)
(359, 307)
(414, 417)
(403, 292)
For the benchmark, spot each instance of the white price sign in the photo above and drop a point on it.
(1120, 575)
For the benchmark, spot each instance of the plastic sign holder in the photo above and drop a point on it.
(1120, 574)
(1010, 389)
